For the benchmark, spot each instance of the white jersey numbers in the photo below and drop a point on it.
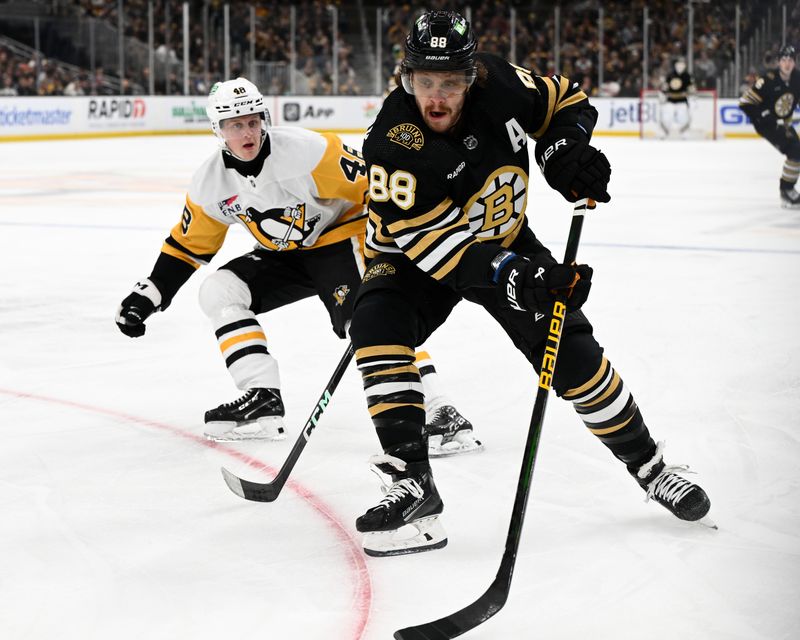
(516, 134)
(399, 187)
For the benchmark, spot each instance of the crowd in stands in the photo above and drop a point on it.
(311, 73)
(25, 76)
(579, 39)
(294, 46)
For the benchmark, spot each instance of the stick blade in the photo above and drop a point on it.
(234, 482)
(461, 621)
(253, 491)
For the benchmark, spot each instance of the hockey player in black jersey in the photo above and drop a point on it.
(448, 168)
(675, 117)
(770, 103)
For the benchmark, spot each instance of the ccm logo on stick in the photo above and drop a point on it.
(318, 411)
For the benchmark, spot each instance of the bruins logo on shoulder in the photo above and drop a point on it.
(381, 269)
(407, 135)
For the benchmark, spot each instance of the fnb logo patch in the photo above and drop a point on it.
(229, 206)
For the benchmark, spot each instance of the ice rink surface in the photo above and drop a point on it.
(115, 522)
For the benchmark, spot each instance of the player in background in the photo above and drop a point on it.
(448, 169)
(675, 91)
(301, 196)
(770, 104)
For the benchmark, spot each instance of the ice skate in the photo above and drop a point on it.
(790, 199)
(257, 415)
(666, 485)
(449, 433)
(406, 520)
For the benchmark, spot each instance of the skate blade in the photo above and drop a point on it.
(263, 429)
(430, 535)
(455, 447)
(707, 522)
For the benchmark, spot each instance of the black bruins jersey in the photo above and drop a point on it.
(677, 86)
(434, 196)
(771, 96)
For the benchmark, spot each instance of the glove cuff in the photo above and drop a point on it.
(149, 290)
(500, 261)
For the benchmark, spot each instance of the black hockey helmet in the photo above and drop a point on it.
(439, 41)
(787, 51)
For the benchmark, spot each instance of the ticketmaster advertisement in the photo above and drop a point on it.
(39, 118)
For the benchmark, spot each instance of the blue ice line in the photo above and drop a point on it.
(608, 245)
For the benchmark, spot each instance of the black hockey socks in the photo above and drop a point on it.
(395, 400)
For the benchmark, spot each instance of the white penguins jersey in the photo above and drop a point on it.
(309, 193)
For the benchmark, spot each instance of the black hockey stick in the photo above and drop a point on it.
(496, 595)
(269, 491)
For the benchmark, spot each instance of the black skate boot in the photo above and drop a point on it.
(665, 485)
(449, 433)
(410, 500)
(257, 415)
(790, 199)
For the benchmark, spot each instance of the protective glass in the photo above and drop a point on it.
(427, 84)
(238, 128)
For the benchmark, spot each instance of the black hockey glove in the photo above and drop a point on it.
(767, 122)
(530, 286)
(137, 307)
(574, 168)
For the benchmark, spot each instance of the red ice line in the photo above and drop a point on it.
(362, 596)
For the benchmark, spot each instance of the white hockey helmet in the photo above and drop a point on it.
(234, 98)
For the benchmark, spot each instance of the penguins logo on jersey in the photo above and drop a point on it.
(376, 270)
(340, 293)
(280, 229)
(407, 135)
(497, 209)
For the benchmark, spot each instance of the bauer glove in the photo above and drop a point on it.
(574, 168)
(533, 286)
(137, 307)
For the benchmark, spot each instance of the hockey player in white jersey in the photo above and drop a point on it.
(301, 196)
